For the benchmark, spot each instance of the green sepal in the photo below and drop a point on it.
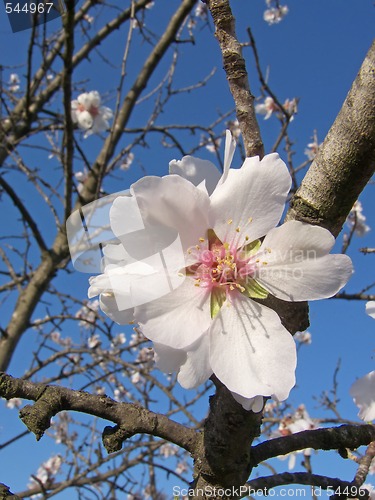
(218, 297)
(212, 238)
(251, 248)
(253, 289)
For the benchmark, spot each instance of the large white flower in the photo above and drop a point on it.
(89, 114)
(209, 323)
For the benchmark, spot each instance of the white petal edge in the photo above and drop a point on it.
(294, 263)
(250, 404)
(250, 351)
(196, 171)
(196, 370)
(251, 200)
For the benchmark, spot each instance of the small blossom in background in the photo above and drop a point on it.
(14, 403)
(63, 341)
(363, 394)
(87, 314)
(267, 107)
(209, 322)
(168, 450)
(137, 378)
(81, 177)
(127, 161)
(357, 220)
(88, 18)
(303, 337)
(291, 107)
(370, 308)
(312, 147)
(298, 422)
(14, 82)
(234, 128)
(46, 472)
(213, 145)
(93, 341)
(363, 389)
(275, 14)
(89, 115)
(201, 10)
(118, 340)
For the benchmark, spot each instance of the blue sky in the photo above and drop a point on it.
(314, 54)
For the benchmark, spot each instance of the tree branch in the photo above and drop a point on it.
(235, 69)
(130, 419)
(346, 160)
(332, 438)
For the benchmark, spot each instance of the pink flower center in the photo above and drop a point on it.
(221, 265)
(93, 110)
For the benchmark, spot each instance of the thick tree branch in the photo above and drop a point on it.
(130, 419)
(332, 438)
(346, 160)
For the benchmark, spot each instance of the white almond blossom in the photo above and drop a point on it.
(363, 389)
(267, 107)
(209, 323)
(89, 115)
(47, 472)
(290, 424)
(303, 337)
(357, 220)
(363, 394)
(14, 82)
(275, 14)
(370, 308)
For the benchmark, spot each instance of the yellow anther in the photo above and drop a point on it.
(201, 239)
(131, 322)
(226, 246)
(264, 263)
(238, 229)
(247, 238)
(268, 250)
(231, 287)
(197, 247)
(230, 221)
(250, 219)
(257, 261)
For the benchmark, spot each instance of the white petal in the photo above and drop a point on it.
(230, 148)
(250, 351)
(251, 200)
(254, 404)
(196, 171)
(178, 319)
(196, 370)
(168, 360)
(298, 266)
(108, 305)
(363, 394)
(370, 308)
(94, 97)
(85, 120)
(170, 201)
(85, 100)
